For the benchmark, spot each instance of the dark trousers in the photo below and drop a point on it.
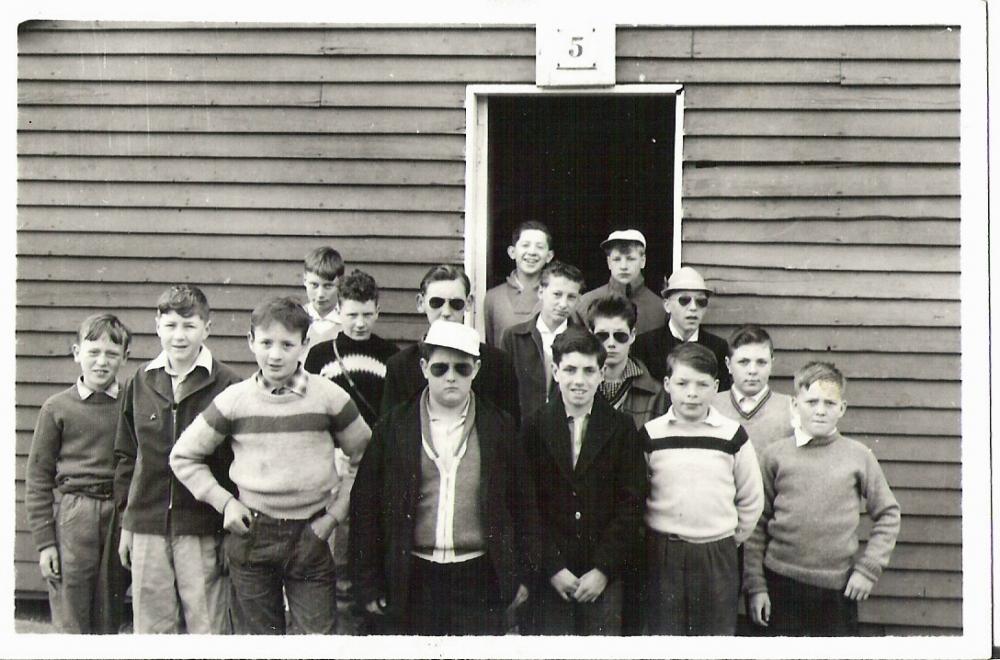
(462, 598)
(278, 554)
(693, 588)
(554, 616)
(802, 610)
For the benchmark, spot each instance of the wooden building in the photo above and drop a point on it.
(818, 191)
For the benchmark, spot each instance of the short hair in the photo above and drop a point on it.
(751, 333)
(556, 268)
(446, 273)
(286, 310)
(325, 262)
(358, 286)
(96, 326)
(186, 300)
(624, 246)
(613, 306)
(695, 356)
(817, 371)
(530, 225)
(578, 340)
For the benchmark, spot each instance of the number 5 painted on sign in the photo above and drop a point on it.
(576, 46)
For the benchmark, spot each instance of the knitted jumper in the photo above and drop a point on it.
(649, 306)
(507, 304)
(283, 448)
(704, 478)
(809, 528)
(365, 363)
(771, 420)
(72, 448)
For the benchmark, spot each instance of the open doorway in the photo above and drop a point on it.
(584, 165)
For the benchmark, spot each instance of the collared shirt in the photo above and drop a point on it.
(802, 438)
(204, 360)
(549, 336)
(85, 392)
(746, 402)
(577, 431)
(611, 389)
(676, 332)
(446, 433)
(714, 418)
(296, 383)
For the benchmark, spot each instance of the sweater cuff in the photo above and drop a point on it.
(44, 537)
(218, 497)
(869, 569)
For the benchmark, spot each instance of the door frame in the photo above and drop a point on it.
(477, 169)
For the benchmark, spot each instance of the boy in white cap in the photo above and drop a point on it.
(433, 540)
(626, 252)
(685, 299)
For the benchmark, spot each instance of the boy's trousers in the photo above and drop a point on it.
(461, 598)
(281, 553)
(693, 587)
(799, 609)
(554, 616)
(78, 605)
(178, 584)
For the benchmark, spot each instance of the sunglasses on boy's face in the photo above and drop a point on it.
(620, 336)
(686, 300)
(438, 369)
(457, 304)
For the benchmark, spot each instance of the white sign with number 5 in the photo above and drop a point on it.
(575, 55)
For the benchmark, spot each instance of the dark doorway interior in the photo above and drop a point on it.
(583, 165)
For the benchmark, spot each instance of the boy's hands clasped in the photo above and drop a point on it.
(584, 589)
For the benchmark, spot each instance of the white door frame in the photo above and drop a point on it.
(476, 169)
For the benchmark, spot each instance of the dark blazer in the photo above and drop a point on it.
(653, 347)
(523, 343)
(146, 489)
(588, 516)
(384, 500)
(496, 380)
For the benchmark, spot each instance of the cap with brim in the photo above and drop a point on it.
(684, 279)
(630, 235)
(448, 334)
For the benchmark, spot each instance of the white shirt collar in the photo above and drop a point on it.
(676, 332)
(714, 418)
(331, 317)
(84, 391)
(544, 329)
(204, 359)
(802, 438)
(755, 399)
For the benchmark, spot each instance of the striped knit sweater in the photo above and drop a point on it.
(283, 448)
(704, 482)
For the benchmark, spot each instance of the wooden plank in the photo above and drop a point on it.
(922, 475)
(879, 392)
(843, 312)
(919, 584)
(201, 272)
(304, 94)
(629, 70)
(932, 613)
(241, 170)
(862, 231)
(268, 248)
(921, 529)
(739, 149)
(241, 120)
(290, 68)
(872, 258)
(924, 556)
(887, 340)
(776, 282)
(819, 97)
(778, 208)
(829, 123)
(872, 421)
(818, 180)
(415, 147)
(930, 367)
(914, 501)
(27, 578)
(328, 225)
(273, 196)
(879, 630)
(839, 42)
(929, 449)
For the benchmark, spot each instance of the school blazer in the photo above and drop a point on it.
(384, 501)
(653, 347)
(588, 516)
(523, 343)
(146, 490)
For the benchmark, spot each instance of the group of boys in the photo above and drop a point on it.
(589, 469)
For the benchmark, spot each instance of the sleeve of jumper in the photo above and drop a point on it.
(126, 446)
(884, 511)
(352, 435)
(621, 533)
(749, 490)
(756, 544)
(189, 455)
(41, 477)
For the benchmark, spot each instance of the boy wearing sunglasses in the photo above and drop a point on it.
(433, 542)
(446, 293)
(685, 299)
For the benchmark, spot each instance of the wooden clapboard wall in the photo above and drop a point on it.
(820, 196)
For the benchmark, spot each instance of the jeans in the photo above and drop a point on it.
(276, 554)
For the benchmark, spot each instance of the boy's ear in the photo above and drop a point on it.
(510, 252)
(250, 339)
(423, 368)
(208, 327)
(729, 364)
(716, 384)
(420, 303)
(76, 352)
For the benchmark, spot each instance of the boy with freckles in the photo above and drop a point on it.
(801, 568)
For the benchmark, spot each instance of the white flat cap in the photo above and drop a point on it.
(633, 235)
(684, 279)
(449, 334)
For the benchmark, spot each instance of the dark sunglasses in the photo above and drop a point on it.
(457, 304)
(620, 337)
(686, 300)
(438, 369)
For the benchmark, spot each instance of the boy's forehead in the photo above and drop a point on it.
(446, 288)
(687, 292)
(578, 359)
(561, 283)
(317, 278)
(682, 370)
(275, 329)
(348, 305)
(754, 349)
(103, 338)
(625, 249)
(823, 388)
(174, 315)
(609, 322)
(533, 236)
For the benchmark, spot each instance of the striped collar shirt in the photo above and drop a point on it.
(297, 383)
